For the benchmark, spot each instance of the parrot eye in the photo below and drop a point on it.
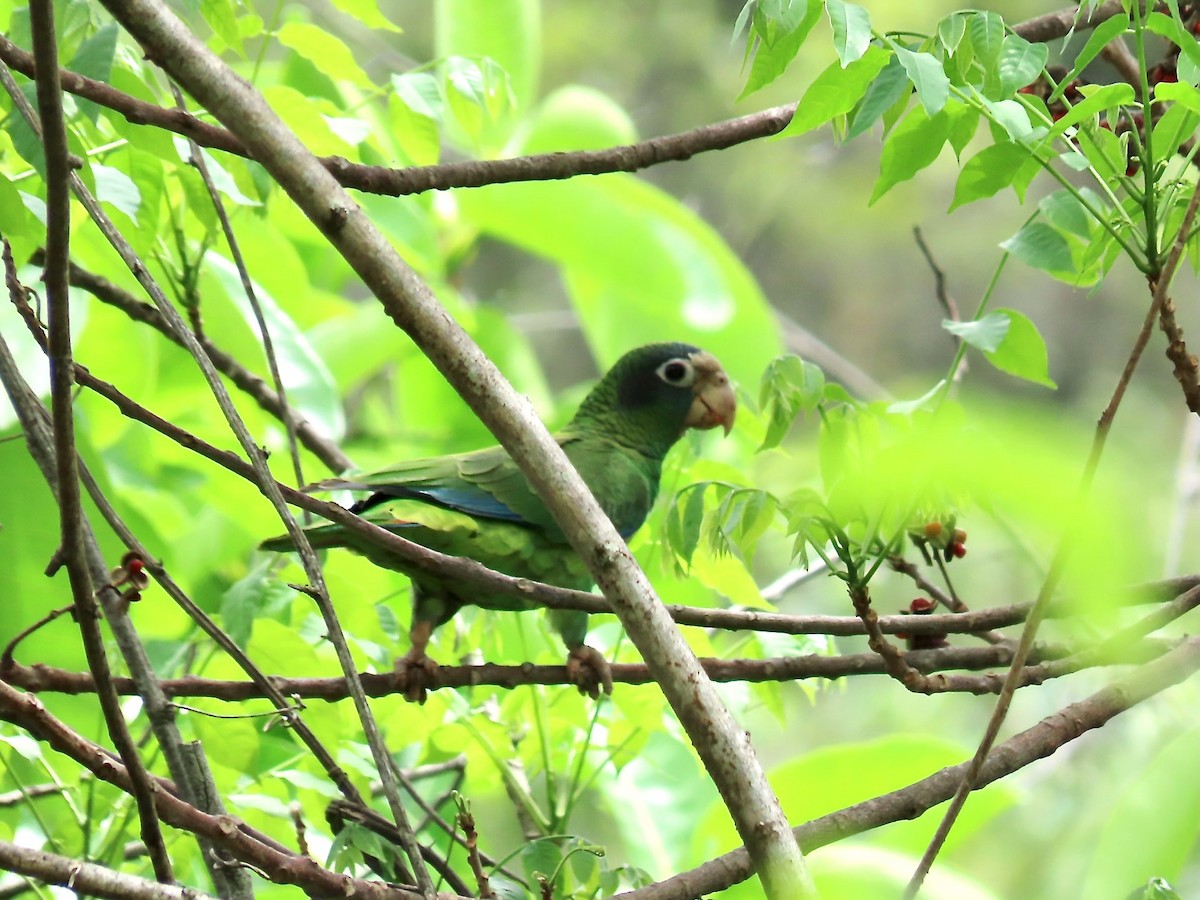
(677, 372)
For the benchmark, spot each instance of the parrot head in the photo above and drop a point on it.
(655, 393)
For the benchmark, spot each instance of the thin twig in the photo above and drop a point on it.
(235, 252)
(1019, 751)
(65, 477)
(246, 381)
(279, 864)
(269, 488)
(893, 660)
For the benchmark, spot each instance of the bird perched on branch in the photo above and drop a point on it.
(479, 504)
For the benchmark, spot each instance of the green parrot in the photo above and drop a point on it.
(480, 505)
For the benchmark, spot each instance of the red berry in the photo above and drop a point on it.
(135, 566)
(958, 550)
(921, 605)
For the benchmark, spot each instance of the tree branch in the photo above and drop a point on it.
(88, 878)
(1046, 661)
(1035, 743)
(538, 167)
(279, 865)
(65, 476)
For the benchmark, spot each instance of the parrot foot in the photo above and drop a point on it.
(415, 674)
(589, 671)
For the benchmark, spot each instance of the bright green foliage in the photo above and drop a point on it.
(612, 794)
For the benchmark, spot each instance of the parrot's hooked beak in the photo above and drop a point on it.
(714, 403)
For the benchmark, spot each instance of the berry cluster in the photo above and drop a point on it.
(131, 571)
(922, 606)
(941, 537)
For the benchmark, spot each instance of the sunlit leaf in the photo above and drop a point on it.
(913, 144)
(329, 54)
(990, 170)
(836, 91)
(928, 77)
(851, 29)
(775, 51)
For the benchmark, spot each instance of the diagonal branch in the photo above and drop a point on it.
(1019, 751)
(252, 385)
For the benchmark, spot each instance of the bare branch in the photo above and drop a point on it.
(1046, 661)
(65, 477)
(88, 878)
(1035, 743)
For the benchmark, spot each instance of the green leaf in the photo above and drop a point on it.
(1179, 92)
(507, 31)
(912, 145)
(367, 12)
(626, 248)
(540, 856)
(579, 118)
(415, 111)
(950, 31)
(851, 30)
(986, 30)
(329, 55)
(928, 77)
(683, 527)
(1041, 246)
(94, 59)
(885, 90)
(964, 122)
(1173, 129)
(1022, 352)
(1097, 99)
(1102, 35)
(115, 187)
(1154, 810)
(789, 385)
(1066, 212)
(1172, 29)
(310, 387)
(836, 91)
(990, 170)
(479, 95)
(776, 49)
(984, 334)
(1012, 117)
(1155, 889)
(221, 16)
(1020, 62)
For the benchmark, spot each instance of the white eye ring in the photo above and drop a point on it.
(677, 372)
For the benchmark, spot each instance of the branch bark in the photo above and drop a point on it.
(88, 878)
(1038, 742)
